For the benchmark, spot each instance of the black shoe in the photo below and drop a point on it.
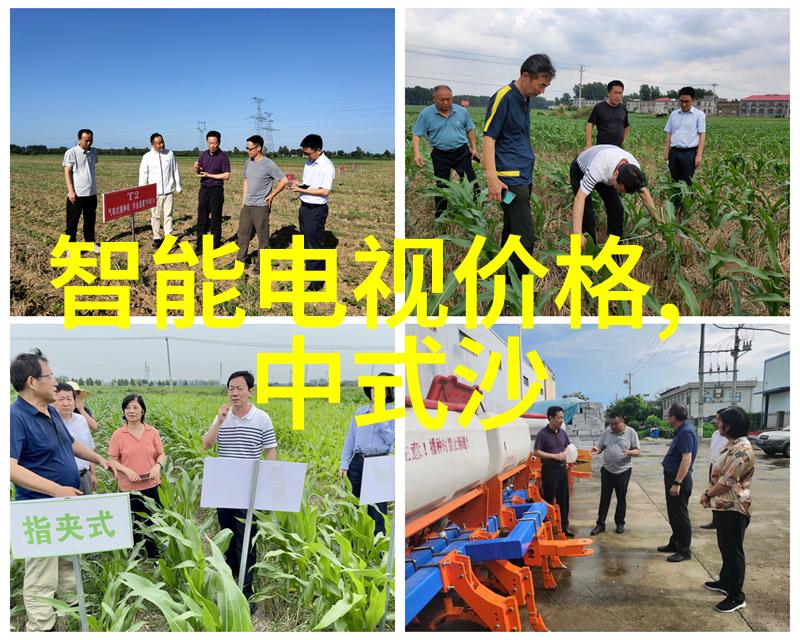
(679, 557)
(729, 605)
(710, 525)
(666, 548)
(569, 534)
(598, 529)
(715, 585)
(253, 608)
(315, 286)
(620, 528)
(157, 244)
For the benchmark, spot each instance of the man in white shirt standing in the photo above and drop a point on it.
(686, 139)
(159, 166)
(79, 174)
(79, 429)
(241, 430)
(718, 443)
(318, 175)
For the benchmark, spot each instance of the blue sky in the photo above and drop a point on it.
(126, 73)
(596, 362)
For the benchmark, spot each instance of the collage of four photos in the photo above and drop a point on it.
(364, 320)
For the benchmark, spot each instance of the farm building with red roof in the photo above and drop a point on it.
(769, 105)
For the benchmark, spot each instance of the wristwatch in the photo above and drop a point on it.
(676, 483)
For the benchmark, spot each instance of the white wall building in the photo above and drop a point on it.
(775, 396)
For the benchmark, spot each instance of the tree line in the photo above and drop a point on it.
(590, 91)
(283, 152)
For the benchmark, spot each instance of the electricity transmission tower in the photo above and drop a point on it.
(201, 130)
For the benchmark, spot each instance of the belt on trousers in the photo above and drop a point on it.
(313, 205)
(370, 455)
(684, 148)
(83, 472)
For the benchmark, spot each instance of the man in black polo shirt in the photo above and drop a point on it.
(677, 465)
(550, 447)
(214, 168)
(507, 155)
(610, 117)
(43, 466)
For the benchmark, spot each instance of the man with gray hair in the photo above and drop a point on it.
(448, 127)
(677, 464)
(508, 156)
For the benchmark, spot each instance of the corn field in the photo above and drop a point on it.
(318, 569)
(727, 254)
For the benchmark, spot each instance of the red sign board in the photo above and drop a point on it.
(465, 103)
(118, 204)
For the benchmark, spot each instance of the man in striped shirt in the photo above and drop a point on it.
(611, 171)
(244, 431)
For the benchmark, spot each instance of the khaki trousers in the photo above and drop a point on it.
(46, 577)
(163, 205)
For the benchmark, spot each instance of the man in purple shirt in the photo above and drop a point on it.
(214, 168)
(550, 447)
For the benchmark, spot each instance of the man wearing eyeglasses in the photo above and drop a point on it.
(686, 138)
(263, 180)
(79, 174)
(43, 466)
(318, 175)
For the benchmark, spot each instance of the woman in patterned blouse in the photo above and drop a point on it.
(728, 495)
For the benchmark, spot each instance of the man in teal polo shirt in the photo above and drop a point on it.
(507, 152)
(448, 127)
(43, 466)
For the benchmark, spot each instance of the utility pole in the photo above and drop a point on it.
(201, 129)
(738, 348)
(169, 363)
(701, 390)
(629, 382)
(269, 143)
(714, 95)
(259, 115)
(580, 89)
(147, 371)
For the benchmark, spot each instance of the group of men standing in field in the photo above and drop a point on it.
(508, 158)
(263, 180)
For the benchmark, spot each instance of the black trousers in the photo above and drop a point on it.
(86, 205)
(376, 512)
(312, 226)
(233, 519)
(209, 214)
(678, 513)
(458, 160)
(555, 489)
(615, 214)
(517, 220)
(681, 164)
(141, 515)
(731, 526)
(613, 483)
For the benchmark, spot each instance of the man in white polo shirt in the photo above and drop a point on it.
(79, 163)
(610, 171)
(160, 167)
(244, 431)
(686, 139)
(318, 174)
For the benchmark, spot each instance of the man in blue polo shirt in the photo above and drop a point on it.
(550, 447)
(448, 128)
(507, 152)
(43, 466)
(677, 465)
